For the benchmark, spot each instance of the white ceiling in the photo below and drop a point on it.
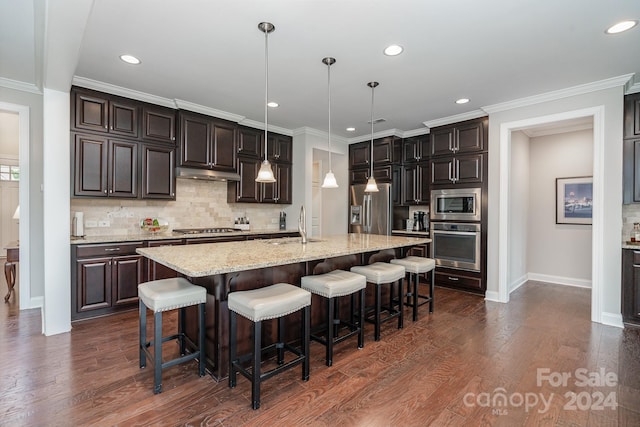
(211, 53)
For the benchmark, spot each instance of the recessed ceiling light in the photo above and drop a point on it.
(393, 50)
(351, 129)
(621, 26)
(130, 59)
(272, 104)
(462, 101)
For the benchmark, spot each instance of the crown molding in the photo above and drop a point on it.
(305, 130)
(21, 86)
(376, 135)
(260, 125)
(186, 105)
(122, 91)
(416, 132)
(455, 119)
(632, 87)
(559, 94)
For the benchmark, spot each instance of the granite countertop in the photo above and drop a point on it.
(208, 259)
(168, 235)
(416, 233)
(629, 245)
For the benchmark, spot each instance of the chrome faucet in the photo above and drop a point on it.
(302, 224)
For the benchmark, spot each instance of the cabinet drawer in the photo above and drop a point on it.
(458, 280)
(109, 249)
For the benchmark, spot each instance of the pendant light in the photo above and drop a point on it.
(329, 179)
(265, 174)
(372, 186)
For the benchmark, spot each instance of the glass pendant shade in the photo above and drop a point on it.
(330, 181)
(372, 186)
(265, 174)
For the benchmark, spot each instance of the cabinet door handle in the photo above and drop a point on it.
(105, 191)
(453, 279)
(450, 176)
(457, 173)
(111, 249)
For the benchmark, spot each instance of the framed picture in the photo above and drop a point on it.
(574, 200)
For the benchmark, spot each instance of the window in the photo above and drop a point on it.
(9, 173)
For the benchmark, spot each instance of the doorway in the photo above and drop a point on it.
(596, 115)
(18, 176)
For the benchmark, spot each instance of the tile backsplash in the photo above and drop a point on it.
(630, 214)
(197, 204)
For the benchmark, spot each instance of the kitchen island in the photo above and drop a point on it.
(232, 266)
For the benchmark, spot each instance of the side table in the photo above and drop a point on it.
(13, 256)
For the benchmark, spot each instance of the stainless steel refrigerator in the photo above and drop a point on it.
(370, 213)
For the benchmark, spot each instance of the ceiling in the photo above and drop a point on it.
(211, 53)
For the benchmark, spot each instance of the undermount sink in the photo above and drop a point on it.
(289, 241)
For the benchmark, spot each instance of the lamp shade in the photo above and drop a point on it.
(265, 174)
(330, 181)
(372, 186)
(16, 214)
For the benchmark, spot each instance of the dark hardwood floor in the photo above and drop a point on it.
(470, 363)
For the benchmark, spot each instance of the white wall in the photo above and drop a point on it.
(608, 104)
(519, 207)
(8, 134)
(559, 253)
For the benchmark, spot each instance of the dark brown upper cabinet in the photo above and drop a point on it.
(465, 169)
(279, 192)
(98, 112)
(158, 176)
(359, 155)
(632, 115)
(250, 142)
(415, 184)
(385, 151)
(158, 124)
(105, 168)
(207, 143)
(463, 137)
(279, 148)
(416, 149)
(247, 190)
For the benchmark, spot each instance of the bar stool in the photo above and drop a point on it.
(331, 286)
(381, 273)
(416, 265)
(164, 295)
(271, 302)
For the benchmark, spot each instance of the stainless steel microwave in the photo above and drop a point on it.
(458, 204)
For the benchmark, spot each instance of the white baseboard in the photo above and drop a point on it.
(492, 296)
(612, 319)
(518, 282)
(36, 302)
(560, 280)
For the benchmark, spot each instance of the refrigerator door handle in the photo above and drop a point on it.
(366, 206)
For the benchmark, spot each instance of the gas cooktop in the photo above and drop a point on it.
(206, 230)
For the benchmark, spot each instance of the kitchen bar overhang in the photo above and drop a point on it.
(232, 266)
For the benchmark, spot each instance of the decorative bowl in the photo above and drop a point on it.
(154, 225)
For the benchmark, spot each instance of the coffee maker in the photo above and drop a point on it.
(418, 221)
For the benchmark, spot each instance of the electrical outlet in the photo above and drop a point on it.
(104, 224)
(91, 224)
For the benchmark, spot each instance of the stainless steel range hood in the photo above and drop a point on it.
(206, 174)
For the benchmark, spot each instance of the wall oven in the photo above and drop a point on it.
(456, 245)
(456, 204)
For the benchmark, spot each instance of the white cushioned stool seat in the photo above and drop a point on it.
(270, 302)
(336, 283)
(169, 294)
(380, 272)
(415, 264)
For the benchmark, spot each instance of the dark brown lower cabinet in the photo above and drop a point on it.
(631, 286)
(459, 279)
(157, 271)
(105, 279)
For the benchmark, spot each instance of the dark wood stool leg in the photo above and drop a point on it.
(432, 289)
(415, 296)
(201, 345)
(143, 332)
(280, 342)
(233, 320)
(361, 319)
(376, 333)
(306, 325)
(257, 358)
(330, 331)
(181, 314)
(400, 303)
(157, 352)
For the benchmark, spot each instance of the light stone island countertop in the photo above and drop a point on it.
(168, 235)
(208, 259)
